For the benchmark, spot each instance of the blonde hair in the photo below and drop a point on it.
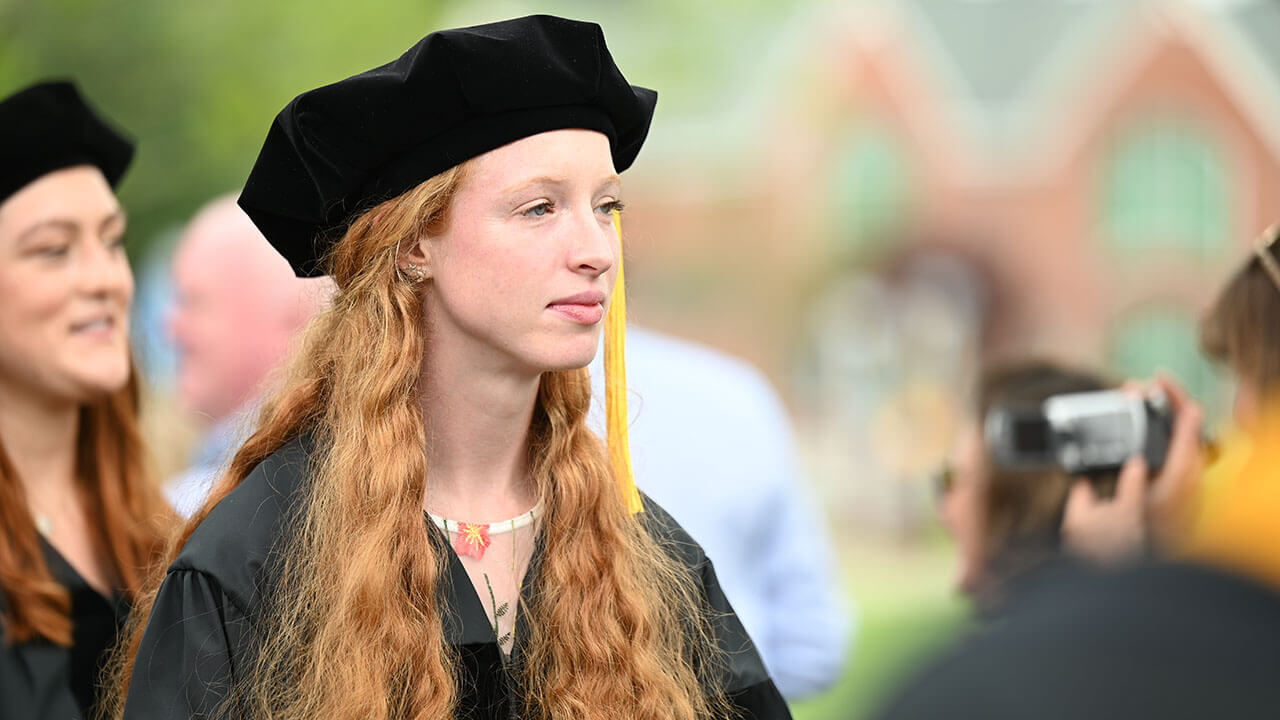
(355, 629)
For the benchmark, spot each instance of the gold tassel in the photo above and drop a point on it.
(615, 384)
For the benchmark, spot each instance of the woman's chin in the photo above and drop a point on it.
(569, 356)
(101, 382)
(567, 364)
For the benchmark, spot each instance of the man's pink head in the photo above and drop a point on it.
(238, 307)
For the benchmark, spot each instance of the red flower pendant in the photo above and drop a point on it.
(472, 540)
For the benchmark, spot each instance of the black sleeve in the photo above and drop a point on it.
(193, 646)
(745, 681)
(747, 684)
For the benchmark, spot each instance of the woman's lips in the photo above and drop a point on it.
(95, 329)
(585, 308)
(583, 314)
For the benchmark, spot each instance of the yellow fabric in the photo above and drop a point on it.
(615, 384)
(1239, 520)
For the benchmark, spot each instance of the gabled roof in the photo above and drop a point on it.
(1027, 80)
(997, 50)
(1021, 80)
(1260, 23)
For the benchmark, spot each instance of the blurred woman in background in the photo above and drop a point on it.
(1240, 505)
(1238, 331)
(79, 520)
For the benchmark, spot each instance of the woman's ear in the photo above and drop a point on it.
(414, 260)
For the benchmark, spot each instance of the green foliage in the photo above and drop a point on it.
(197, 83)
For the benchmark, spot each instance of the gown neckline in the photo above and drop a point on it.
(69, 576)
(472, 616)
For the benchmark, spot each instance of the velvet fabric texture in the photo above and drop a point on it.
(338, 150)
(48, 127)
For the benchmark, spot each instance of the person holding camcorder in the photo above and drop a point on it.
(1056, 462)
(1191, 637)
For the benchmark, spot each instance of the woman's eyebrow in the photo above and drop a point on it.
(541, 180)
(63, 224)
(116, 217)
(547, 180)
(613, 181)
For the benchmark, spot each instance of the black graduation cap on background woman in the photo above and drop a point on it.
(49, 126)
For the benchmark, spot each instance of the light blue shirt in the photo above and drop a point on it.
(212, 456)
(711, 442)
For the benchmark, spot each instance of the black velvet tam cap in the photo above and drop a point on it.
(49, 126)
(338, 150)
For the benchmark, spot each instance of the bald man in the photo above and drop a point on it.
(237, 311)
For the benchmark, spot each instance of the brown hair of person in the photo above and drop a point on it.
(1022, 509)
(127, 513)
(355, 629)
(1238, 330)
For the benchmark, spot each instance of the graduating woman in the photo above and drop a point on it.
(422, 526)
(78, 520)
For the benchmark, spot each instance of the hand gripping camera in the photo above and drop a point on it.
(1081, 433)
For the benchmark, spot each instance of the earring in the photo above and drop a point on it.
(415, 273)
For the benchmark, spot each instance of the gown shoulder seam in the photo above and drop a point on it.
(215, 584)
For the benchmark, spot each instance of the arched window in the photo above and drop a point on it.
(870, 187)
(1166, 187)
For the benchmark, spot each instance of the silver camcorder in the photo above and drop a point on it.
(1081, 433)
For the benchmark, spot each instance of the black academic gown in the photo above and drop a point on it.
(1159, 641)
(42, 681)
(202, 627)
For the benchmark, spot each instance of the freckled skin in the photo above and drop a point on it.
(530, 225)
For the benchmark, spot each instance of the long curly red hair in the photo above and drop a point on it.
(355, 630)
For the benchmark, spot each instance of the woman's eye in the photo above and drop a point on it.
(53, 251)
(612, 206)
(116, 244)
(539, 210)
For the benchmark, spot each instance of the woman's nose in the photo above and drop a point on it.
(594, 247)
(104, 270)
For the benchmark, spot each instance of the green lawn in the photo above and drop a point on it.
(906, 611)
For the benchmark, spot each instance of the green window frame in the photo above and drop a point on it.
(1166, 186)
(870, 187)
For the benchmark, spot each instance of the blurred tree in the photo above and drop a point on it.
(197, 84)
